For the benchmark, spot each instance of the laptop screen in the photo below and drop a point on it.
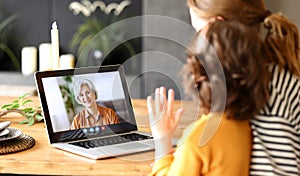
(85, 102)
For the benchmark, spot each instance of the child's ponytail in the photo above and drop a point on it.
(282, 40)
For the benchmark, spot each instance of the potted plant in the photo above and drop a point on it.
(90, 35)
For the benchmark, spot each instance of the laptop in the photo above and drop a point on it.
(71, 126)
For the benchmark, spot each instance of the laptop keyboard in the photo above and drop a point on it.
(111, 140)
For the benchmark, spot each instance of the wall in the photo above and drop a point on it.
(290, 8)
(163, 65)
(163, 57)
(33, 24)
(167, 35)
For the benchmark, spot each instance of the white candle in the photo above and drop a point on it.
(45, 57)
(55, 46)
(28, 60)
(67, 61)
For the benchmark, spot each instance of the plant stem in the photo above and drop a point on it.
(4, 112)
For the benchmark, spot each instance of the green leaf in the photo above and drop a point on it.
(3, 44)
(14, 106)
(81, 32)
(84, 43)
(68, 79)
(24, 95)
(31, 122)
(28, 110)
(16, 101)
(11, 106)
(26, 101)
(39, 117)
(11, 55)
(29, 113)
(25, 121)
(6, 106)
(7, 21)
(77, 37)
(130, 48)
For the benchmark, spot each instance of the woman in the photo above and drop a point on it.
(226, 152)
(276, 130)
(92, 115)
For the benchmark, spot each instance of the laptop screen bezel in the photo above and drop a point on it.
(62, 136)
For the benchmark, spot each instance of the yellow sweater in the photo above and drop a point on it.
(226, 152)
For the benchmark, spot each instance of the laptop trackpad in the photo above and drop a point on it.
(135, 146)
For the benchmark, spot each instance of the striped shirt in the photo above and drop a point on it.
(276, 131)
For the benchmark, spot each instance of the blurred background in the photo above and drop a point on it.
(152, 58)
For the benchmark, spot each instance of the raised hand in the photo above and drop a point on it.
(162, 119)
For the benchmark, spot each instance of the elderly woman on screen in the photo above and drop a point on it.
(93, 114)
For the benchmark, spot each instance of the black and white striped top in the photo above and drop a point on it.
(276, 131)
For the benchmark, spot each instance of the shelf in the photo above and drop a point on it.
(16, 78)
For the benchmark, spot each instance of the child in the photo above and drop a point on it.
(276, 129)
(230, 78)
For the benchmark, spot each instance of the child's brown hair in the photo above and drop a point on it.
(282, 39)
(232, 63)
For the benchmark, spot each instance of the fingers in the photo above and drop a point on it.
(160, 99)
(157, 100)
(163, 98)
(170, 100)
(162, 91)
(161, 116)
(149, 105)
(150, 110)
(177, 116)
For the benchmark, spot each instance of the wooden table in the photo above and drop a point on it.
(42, 159)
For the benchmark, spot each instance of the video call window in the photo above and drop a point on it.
(87, 100)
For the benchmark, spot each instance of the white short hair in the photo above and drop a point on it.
(77, 87)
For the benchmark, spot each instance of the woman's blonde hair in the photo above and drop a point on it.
(282, 37)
